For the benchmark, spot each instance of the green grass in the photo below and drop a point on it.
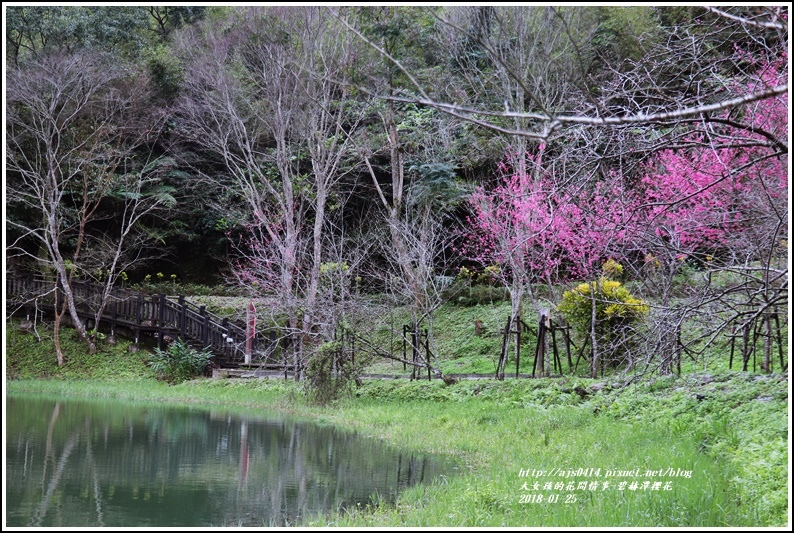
(499, 443)
(463, 350)
(495, 429)
(27, 356)
(459, 347)
(729, 429)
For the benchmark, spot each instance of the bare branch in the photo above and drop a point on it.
(746, 21)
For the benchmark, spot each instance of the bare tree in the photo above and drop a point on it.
(327, 125)
(64, 145)
(137, 195)
(274, 110)
(241, 122)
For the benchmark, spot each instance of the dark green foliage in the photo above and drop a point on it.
(437, 186)
(168, 18)
(518, 394)
(175, 288)
(166, 69)
(180, 362)
(620, 29)
(34, 30)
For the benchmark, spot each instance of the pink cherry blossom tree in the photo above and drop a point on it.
(538, 230)
(720, 198)
(722, 201)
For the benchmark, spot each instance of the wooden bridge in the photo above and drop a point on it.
(150, 314)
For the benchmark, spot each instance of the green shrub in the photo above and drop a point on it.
(180, 362)
(32, 356)
(166, 70)
(330, 374)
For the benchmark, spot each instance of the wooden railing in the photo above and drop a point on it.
(149, 313)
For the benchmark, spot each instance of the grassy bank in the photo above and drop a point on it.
(728, 430)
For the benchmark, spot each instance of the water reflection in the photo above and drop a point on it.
(89, 463)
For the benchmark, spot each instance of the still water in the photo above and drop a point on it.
(76, 463)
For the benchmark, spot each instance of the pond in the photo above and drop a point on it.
(90, 463)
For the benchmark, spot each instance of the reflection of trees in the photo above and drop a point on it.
(302, 469)
(52, 486)
(94, 475)
(185, 467)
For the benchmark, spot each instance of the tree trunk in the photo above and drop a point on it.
(593, 335)
(56, 335)
(766, 367)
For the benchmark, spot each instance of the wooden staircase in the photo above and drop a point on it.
(150, 314)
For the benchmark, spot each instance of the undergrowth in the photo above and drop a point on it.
(28, 356)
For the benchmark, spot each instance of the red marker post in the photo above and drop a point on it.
(249, 337)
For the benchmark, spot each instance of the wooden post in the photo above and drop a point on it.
(161, 312)
(226, 350)
(581, 352)
(250, 331)
(414, 351)
(756, 331)
(568, 348)
(204, 324)
(206, 331)
(540, 350)
(138, 307)
(556, 355)
(181, 319)
(160, 321)
(767, 363)
(535, 362)
(500, 367)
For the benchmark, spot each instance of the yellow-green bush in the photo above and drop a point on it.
(615, 310)
(613, 302)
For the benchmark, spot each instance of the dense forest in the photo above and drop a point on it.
(625, 168)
